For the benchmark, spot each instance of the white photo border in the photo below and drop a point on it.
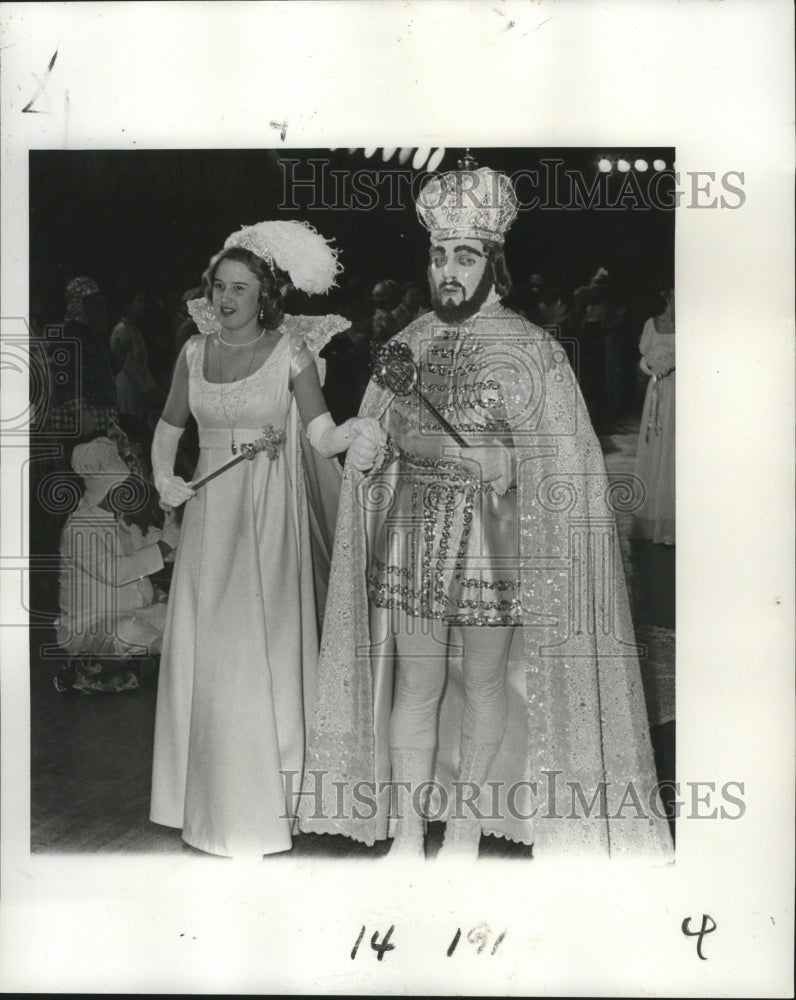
(712, 80)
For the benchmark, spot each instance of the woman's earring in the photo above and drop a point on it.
(261, 313)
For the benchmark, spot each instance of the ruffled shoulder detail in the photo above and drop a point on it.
(201, 312)
(315, 331)
(308, 335)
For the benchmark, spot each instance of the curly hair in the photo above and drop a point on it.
(500, 270)
(273, 283)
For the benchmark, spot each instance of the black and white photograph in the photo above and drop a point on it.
(348, 640)
(596, 298)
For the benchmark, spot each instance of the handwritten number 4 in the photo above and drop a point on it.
(378, 946)
(701, 933)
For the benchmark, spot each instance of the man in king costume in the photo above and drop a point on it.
(478, 663)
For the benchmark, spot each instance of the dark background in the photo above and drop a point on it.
(154, 217)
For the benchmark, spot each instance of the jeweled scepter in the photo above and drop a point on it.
(271, 443)
(394, 368)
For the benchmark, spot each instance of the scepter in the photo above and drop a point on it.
(394, 368)
(271, 443)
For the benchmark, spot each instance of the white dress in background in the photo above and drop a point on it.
(655, 457)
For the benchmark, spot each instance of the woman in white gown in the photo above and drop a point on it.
(655, 457)
(241, 639)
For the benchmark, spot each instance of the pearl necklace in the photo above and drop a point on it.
(232, 423)
(243, 343)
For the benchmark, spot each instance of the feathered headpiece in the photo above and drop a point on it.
(294, 247)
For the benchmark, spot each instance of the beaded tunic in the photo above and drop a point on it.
(448, 548)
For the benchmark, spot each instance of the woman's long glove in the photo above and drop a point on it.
(327, 437)
(172, 490)
(362, 437)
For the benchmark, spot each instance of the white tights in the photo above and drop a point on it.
(422, 649)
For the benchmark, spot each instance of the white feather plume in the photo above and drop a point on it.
(294, 247)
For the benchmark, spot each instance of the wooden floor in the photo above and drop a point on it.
(91, 756)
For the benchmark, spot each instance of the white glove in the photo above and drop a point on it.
(370, 441)
(326, 437)
(172, 490)
(370, 428)
(362, 454)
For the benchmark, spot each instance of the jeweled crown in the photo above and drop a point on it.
(473, 201)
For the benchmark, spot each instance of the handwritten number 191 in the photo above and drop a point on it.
(478, 936)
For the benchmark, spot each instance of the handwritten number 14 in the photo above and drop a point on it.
(378, 946)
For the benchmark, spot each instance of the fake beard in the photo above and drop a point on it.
(468, 307)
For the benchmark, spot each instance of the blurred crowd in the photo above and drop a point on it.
(106, 358)
(130, 337)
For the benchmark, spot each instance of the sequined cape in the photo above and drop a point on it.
(575, 772)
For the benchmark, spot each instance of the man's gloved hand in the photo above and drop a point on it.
(367, 445)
